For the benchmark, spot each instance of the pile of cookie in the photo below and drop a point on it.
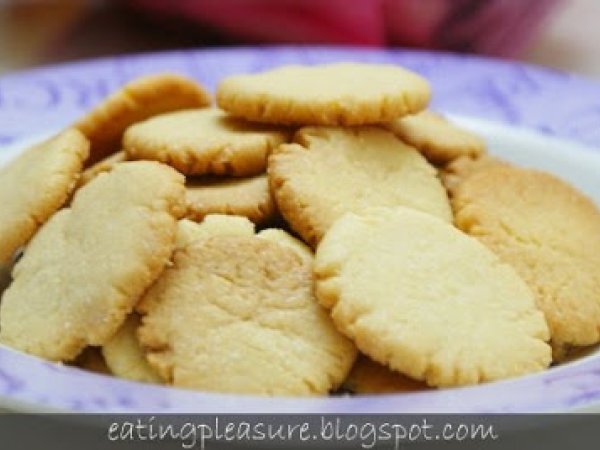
(319, 230)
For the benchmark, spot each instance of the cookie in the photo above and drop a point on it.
(248, 197)
(105, 165)
(423, 298)
(124, 356)
(331, 171)
(369, 377)
(212, 225)
(91, 359)
(550, 233)
(454, 173)
(439, 140)
(332, 94)
(237, 314)
(204, 141)
(138, 100)
(35, 185)
(87, 267)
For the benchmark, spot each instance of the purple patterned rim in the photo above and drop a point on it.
(551, 102)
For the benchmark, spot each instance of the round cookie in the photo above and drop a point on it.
(453, 174)
(105, 165)
(87, 267)
(550, 234)
(331, 171)
(204, 141)
(35, 185)
(237, 314)
(248, 197)
(124, 356)
(369, 377)
(428, 301)
(332, 94)
(138, 100)
(439, 140)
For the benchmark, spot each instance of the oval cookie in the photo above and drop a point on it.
(204, 141)
(136, 101)
(237, 314)
(87, 267)
(439, 140)
(423, 298)
(331, 171)
(248, 197)
(550, 233)
(35, 185)
(332, 94)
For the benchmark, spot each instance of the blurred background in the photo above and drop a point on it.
(564, 34)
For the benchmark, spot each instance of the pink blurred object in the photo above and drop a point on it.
(498, 27)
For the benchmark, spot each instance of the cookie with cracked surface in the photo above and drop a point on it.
(550, 233)
(438, 139)
(87, 267)
(237, 314)
(248, 197)
(138, 100)
(124, 356)
(331, 171)
(36, 184)
(369, 377)
(331, 94)
(454, 173)
(204, 141)
(421, 297)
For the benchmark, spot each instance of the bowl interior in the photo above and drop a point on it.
(32, 384)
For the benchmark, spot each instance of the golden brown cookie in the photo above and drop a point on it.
(235, 308)
(461, 168)
(423, 298)
(550, 233)
(439, 140)
(331, 171)
(204, 141)
(35, 185)
(138, 100)
(369, 377)
(248, 197)
(124, 356)
(105, 165)
(89, 264)
(332, 94)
